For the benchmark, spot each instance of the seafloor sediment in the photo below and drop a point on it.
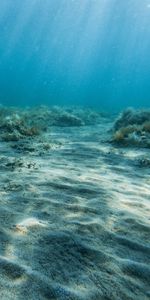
(74, 208)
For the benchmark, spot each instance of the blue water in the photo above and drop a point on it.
(87, 52)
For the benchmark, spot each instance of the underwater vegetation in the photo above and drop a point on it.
(29, 129)
(16, 124)
(132, 128)
(71, 116)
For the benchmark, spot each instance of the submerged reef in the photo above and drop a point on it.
(27, 123)
(66, 116)
(132, 128)
(15, 126)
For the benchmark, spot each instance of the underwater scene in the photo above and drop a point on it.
(75, 150)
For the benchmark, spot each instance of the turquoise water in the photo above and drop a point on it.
(87, 52)
(74, 180)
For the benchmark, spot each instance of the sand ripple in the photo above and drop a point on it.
(77, 227)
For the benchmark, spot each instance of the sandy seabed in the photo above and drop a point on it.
(75, 219)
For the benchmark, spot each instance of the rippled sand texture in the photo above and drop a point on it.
(74, 222)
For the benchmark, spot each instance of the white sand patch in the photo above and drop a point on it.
(28, 224)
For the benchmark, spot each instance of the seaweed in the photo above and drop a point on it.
(14, 127)
(132, 128)
(131, 116)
